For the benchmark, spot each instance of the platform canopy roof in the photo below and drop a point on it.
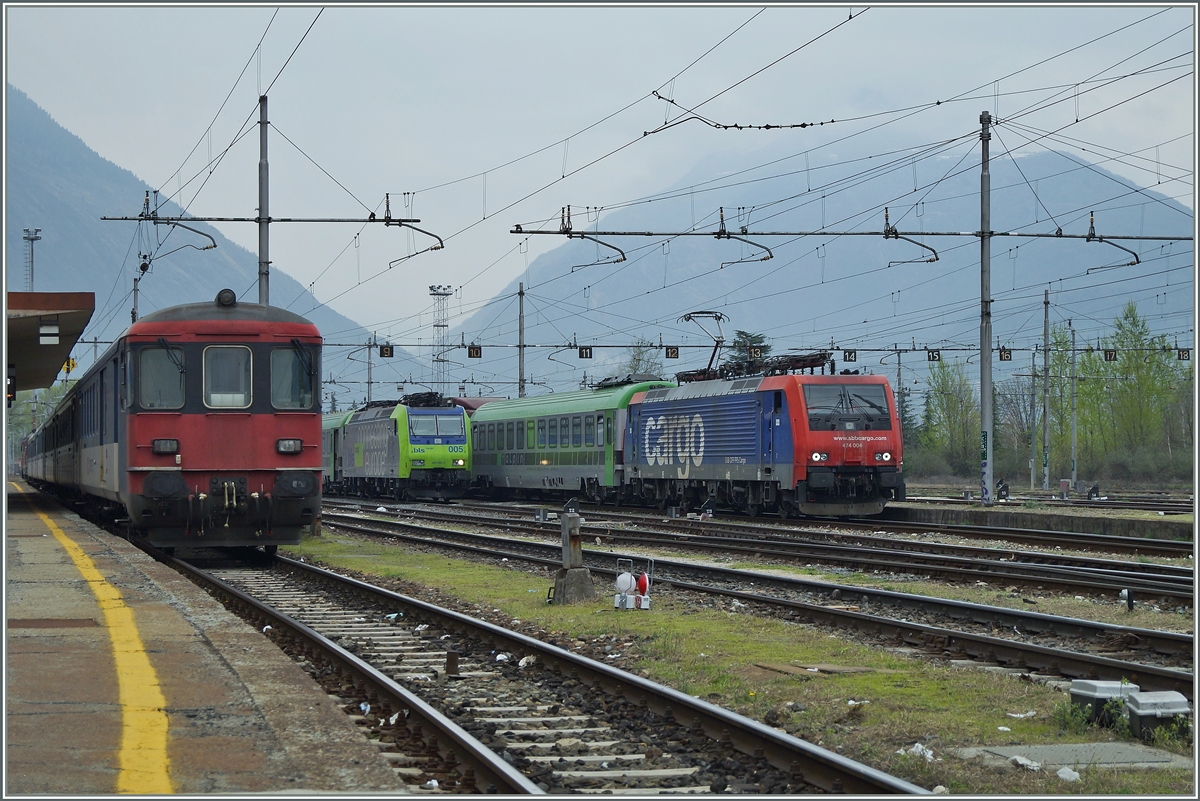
(43, 327)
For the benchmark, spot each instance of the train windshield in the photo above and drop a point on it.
(227, 377)
(436, 425)
(160, 378)
(292, 378)
(847, 407)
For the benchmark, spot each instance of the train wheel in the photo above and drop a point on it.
(270, 550)
(752, 509)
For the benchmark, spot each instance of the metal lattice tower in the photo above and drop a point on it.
(30, 236)
(441, 334)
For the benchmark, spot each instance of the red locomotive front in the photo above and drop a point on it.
(222, 425)
(849, 449)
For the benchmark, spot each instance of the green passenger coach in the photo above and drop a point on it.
(558, 444)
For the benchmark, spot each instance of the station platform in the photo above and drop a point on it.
(122, 676)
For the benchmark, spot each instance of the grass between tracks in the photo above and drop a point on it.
(739, 661)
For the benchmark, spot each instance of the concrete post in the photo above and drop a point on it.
(573, 583)
(572, 542)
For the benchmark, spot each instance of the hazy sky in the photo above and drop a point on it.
(440, 101)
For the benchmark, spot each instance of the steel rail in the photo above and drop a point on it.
(824, 769)
(486, 767)
(1075, 574)
(1077, 665)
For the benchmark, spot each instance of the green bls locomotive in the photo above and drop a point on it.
(412, 448)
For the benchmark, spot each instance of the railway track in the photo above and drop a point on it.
(1171, 506)
(866, 553)
(1043, 643)
(463, 705)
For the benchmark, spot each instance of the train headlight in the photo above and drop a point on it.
(820, 457)
(418, 462)
(459, 462)
(165, 446)
(883, 457)
(288, 445)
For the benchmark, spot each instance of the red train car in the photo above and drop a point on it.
(826, 445)
(199, 426)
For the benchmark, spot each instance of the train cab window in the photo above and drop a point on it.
(422, 425)
(227, 377)
(508, 437)
(491, 437)
(450, 425)
(778, 402)
(160, 378)
(553, 432)
(292, 378)
(541, 434)
(589, 432)
(576, 432)
(521, 435)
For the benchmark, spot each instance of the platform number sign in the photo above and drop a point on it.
(933, 355)
(755, 352)
(474, 352)
(1006, 354)
(385, 351)
(1110, 355)
(1184, 354)
(849, 355)
(672, 351)
(585, 352)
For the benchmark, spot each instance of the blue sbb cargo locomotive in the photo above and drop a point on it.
(795, 444)
(199, 426)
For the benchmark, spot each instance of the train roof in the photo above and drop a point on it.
(224, 308)
(586, 400)
(334, 419)
(719, 387)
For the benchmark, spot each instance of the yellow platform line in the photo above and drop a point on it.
(144, 764)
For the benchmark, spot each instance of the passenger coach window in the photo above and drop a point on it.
(521, 435)
(541, 433)
(491, 436)
(589, 432)
(508, 438)
(529, 435)
(564, 427)
(292, 378)
(160, 378)
(553, 432)
(576, 432)
(475, 438)
(227, 377)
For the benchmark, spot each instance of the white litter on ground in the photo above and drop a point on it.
(1025, 762)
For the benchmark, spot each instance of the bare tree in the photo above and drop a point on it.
(642, 357)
